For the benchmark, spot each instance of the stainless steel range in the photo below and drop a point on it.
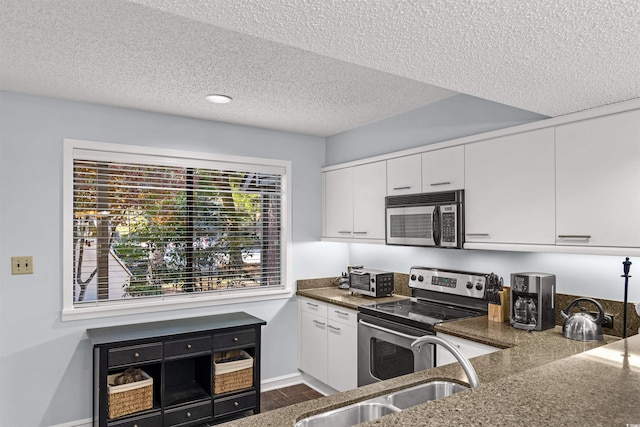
(386, 330)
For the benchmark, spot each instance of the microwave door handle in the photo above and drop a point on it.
(436, 225)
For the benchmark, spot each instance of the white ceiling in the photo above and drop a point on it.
(321, 67)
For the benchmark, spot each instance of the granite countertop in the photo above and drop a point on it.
(344, 298)
(538, 378)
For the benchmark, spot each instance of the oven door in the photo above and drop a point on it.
(411, 225)
(384, 350)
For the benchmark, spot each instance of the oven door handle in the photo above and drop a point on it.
(389, 331)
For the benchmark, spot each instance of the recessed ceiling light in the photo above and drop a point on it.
(218, 99)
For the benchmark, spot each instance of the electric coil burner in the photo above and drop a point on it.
(386, 330)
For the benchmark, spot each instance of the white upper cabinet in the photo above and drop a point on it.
(509, 189)
(369, 191)
(404, 175)
(354, 202)
(443, 170)
(338, 203)
(598, 181)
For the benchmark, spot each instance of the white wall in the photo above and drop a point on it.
(46, 364)
(462, 115)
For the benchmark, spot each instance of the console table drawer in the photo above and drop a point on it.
(134, 354)
(234, 339)
(188, 346)
(188, 414)
(229, 405)
(150, 420)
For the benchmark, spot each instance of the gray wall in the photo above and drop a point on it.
(45, 364)
(458, 116)
(453, 117)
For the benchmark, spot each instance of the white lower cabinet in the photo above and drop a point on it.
(327, 341)
(467, 347)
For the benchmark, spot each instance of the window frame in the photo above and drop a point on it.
(175, 302)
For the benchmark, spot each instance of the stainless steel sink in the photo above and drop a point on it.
(375, 408)
(423, 393)
(349, 415)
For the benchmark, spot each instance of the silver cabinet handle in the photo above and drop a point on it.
(312, 304)
(344, 232)
(402, 188)
(359, 232)
(334, 328)
(435, 184)
(478, 234)
(342, 313)
(574, 236)
(319, 323)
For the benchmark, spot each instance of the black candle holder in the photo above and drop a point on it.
(626, 267)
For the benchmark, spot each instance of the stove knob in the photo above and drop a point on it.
(469, 285)
(420, 279)
(373, 280)
(479, 286)
(413, 277)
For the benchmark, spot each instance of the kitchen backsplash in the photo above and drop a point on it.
(401, 284)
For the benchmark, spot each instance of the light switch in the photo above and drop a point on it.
(21, 265)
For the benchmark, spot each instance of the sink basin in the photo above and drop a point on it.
(372, 409)
(423, 393)
(349, 415)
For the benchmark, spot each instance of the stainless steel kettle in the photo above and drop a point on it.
(582, 326)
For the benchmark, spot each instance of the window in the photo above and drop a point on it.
(148, 229)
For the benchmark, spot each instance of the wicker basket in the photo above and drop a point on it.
(231, 376)
(126, 399)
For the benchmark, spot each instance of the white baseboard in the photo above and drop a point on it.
(279, 382)
(265, 385)
(317, 385)
(88, 422)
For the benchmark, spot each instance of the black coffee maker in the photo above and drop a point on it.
(533, 305)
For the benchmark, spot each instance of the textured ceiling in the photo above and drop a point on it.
(321, 67)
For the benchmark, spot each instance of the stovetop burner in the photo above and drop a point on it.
(413, 310)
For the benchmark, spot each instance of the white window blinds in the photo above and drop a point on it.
(147, 227)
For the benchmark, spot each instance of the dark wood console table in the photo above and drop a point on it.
(178, 355)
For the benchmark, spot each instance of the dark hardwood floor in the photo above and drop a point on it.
(286, 396)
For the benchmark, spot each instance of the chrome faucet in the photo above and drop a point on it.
(472, 376)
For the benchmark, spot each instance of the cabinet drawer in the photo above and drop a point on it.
(134, 354)
(234, 339)
(188, 346)
(187, 414)
(229, 405)
(149, 420)
(342, 315)
(313, 306)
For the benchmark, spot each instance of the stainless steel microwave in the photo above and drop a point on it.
(426, 219)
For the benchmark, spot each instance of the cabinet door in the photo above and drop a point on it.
(313, 345)
(342, 361)
(467, 347)
(338, 203)
(404, 175)
(369, 191)
(443, 170)
(509, 189)
(598, 181)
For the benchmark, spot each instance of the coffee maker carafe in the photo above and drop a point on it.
(533, 301)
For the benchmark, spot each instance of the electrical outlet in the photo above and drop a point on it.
(607, 321)
(21, 265)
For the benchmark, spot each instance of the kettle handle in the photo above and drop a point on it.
(565, 313)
